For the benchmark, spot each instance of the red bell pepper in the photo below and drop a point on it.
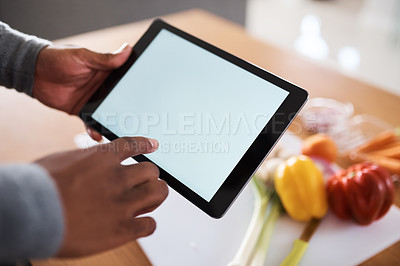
(364, 192)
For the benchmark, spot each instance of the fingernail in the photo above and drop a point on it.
(88, 131)
(154, 143)
(123, 46)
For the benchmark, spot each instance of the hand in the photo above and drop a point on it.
(102, 198)
(66, 78)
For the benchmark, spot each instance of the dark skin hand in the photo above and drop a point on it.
(102, 198)
(66, 78)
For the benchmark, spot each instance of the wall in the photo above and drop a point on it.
(54, 19)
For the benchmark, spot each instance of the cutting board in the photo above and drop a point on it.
(187, 236)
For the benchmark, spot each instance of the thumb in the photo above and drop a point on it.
(106, 61)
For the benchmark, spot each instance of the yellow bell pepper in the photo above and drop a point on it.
(300, 186)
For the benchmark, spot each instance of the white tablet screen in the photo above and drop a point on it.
(204, 110)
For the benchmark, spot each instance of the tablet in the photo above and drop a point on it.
(215, 115)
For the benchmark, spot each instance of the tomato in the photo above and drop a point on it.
(364, 192)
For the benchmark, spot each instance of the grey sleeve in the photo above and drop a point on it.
(18, 53)
(31, 215)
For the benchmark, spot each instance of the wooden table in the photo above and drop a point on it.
(45, 131)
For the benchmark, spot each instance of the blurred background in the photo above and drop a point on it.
(360, 38)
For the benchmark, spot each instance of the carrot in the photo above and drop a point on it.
(378, 141)
(390, 145)
(391, 164)
(392, 151)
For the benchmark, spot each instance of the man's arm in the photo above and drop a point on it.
(100, 198)
(31, 215)
(60, 78)
(79, 202)
(18, 53)
(31, 218)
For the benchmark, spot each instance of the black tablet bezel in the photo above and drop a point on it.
(256, 153)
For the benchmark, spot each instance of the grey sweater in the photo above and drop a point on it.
(31, 215)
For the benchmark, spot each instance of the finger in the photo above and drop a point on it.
(147, 210)
(137, 174)
(126, 147)
(147, 197)
(140, 227)
(106, 61)
(94, 134)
